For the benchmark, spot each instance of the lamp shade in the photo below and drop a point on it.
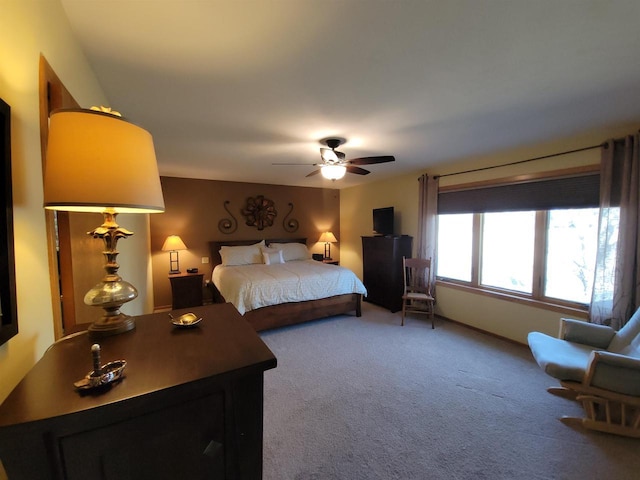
(173, 242)
(333, 172)
(328, 237)
(97, 160)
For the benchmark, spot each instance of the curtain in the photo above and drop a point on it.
(428, 222)
(616, 289)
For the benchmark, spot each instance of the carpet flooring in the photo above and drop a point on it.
(364, 398)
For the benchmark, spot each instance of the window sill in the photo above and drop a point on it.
(574, 312)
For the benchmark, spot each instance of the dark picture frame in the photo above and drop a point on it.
(8, 306)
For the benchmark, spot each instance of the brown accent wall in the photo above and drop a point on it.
(193, 209)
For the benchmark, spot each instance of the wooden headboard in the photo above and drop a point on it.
(214, 246)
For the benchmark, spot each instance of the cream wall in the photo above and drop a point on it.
(507, 319)
(27, 29)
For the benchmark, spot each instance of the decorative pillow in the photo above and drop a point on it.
(241, 255)
(272, 256)
(294, 251)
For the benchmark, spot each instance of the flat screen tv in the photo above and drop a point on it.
(383, 221)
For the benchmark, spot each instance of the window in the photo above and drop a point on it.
(507, 250)
(513, 240)
(507, 258)
(455, 234)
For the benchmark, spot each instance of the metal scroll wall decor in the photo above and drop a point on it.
(259, 212)
(292, 224)
(228, 225)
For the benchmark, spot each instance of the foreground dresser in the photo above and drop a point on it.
(190, 405)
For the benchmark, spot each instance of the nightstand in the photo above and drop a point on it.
(186, 290)
(331, 262)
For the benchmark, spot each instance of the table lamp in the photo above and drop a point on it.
(328, 238)
(172, 244)
(99, 162)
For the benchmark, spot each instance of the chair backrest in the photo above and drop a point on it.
(627, 340)
(417, 274)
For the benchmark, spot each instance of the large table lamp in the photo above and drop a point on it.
(99, 162)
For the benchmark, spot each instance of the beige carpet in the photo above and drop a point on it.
(363, 398)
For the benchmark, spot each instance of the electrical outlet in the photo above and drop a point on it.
(205, 259)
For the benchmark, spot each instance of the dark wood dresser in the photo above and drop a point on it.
(382, 269)
(190, 405)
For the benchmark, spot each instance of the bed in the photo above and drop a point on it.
(284, 275)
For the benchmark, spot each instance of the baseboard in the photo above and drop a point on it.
(491, 334)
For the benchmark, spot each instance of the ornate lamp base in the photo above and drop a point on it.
(112, 292)
(123, 323)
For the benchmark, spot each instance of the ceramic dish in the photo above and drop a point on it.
(186, 320)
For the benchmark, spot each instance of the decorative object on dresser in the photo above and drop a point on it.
(99, 162)
(382, 269)
(327, 238)
(186, 290)
(259, 212)
(228, 225)
(189, 406)
(292, 311)
(8, 306)
(172, 244)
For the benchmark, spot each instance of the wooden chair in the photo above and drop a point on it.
(417, 297)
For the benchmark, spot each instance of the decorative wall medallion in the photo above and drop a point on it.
(228, 225)
(259, 212)
(290, 225)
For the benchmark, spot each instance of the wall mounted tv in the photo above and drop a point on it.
(383, 221)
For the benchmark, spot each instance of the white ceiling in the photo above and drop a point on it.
(229, 87)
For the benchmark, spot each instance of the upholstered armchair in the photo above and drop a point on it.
(597, 366)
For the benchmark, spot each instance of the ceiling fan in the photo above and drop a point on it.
(334, 166)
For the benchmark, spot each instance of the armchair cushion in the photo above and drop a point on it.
(611, 371)
(627, 335)
(560, 358)
(577, 331)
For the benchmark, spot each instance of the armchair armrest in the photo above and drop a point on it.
(577, 331)
(615, 372)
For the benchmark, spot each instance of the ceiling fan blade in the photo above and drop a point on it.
(357, 170)
(315, 172)
(331, 156)
(372, 160)
(298, 164)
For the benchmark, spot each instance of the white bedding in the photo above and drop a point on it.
(250, 287)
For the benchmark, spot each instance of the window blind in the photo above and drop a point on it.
(544, 194)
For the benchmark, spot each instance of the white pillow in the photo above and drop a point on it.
(272, 256)
(241, 255)
(294, 251)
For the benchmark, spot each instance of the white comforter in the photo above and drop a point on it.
(250, 287)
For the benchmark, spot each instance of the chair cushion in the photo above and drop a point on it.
(626, 335)
(559, 358)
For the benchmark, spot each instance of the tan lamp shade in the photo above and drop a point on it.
(97, 160)
(173, 243)
(328, 237)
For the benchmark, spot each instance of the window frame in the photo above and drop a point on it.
(536, 297)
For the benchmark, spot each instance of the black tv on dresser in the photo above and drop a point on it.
(383, 221)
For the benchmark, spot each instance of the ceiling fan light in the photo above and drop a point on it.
(333, 172)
